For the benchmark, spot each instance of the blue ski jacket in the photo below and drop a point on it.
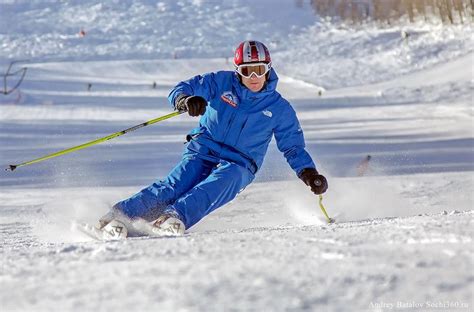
(238, 124)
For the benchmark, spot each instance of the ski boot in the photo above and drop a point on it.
(168, 224)
(113, 225)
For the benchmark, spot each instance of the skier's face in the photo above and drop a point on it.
(254, 83)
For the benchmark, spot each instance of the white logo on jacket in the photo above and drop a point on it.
(267, 113)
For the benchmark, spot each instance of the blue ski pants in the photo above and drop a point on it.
(194, 188)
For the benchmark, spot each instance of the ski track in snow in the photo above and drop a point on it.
(404, 229)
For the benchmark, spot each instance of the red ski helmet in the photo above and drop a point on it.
(251, 51)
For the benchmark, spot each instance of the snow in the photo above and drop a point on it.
(124, 29)
(375, 54)
(403, 236)
(360, 263)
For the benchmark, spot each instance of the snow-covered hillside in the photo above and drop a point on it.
(144, 28)
(403, 237)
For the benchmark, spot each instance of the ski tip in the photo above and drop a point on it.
(11, 168)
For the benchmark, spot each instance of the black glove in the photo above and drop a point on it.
(194, 105)
(313, 179)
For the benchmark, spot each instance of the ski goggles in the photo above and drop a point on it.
(259, 69)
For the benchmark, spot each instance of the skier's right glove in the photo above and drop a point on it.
(313, 179)
(193, 104)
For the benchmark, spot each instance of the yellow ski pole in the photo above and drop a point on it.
(330, 220)
(88, 144)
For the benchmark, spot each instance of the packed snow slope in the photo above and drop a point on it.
(403, 237)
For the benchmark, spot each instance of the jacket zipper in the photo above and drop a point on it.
(240, 133)
(228, 126)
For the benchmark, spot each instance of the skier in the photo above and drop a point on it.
(241, 111)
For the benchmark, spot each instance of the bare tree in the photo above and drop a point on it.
(388, 11)
(449, 10)
(410, 8)
(420, 6)
(459, 8)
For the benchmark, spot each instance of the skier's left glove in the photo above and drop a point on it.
(313, 179)
(193, 104)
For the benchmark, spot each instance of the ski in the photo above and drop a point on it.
(115, 230)
(118, 230)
